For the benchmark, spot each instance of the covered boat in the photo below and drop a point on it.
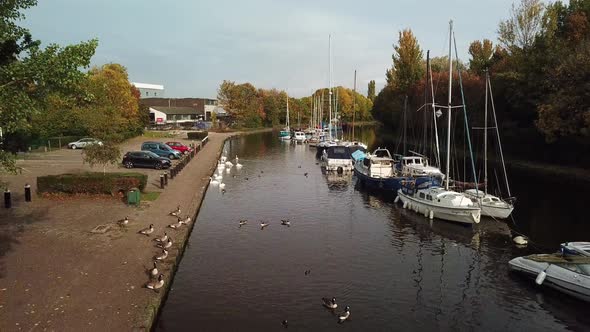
(569, 274)
(491, 205)
(376, 170)
(337, 158)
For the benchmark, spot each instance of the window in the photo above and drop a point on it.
(147, 93)
(155, 93)
(422, 195)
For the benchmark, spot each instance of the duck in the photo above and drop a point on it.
(176, 225)
(520, 240)
(213, 181)
(221, 185)
(285, 222)
(344, 316)
(162, 238)
(147, 231)
(167, 245)
(163, 255)
(124, 222)
(329, 303)
(156, 284)
(154, 270)
(176, 212)
(243, 222)
(263, 224)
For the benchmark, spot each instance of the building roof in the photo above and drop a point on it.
(175, 110)
(197, 103)
(148, 86)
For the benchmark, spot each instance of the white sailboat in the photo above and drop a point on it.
(285, 134)
(491, 206)
(424, 195)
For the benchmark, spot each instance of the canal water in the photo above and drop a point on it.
(395, 269)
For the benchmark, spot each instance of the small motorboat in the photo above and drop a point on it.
(569, 274)
(575, 248)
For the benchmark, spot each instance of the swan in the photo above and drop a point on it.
(229, 164)
(147, 231)
(329, 303)
(163, 255)
(155, 285)
(213, 181)
(238, 165)
(221, 185)
(218, 177)
(344, 316)
(237, 159)
(520, 240)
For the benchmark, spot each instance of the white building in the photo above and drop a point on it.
(149, 90)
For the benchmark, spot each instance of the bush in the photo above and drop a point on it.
(197, 134)
(91, 183)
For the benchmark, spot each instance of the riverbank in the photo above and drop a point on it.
(55, 274)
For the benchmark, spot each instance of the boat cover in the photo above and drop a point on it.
(358, 155)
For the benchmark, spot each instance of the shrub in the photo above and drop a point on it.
(91, 183)
(197, 134)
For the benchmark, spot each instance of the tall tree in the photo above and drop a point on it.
(371, 90)
(407, 66)
(481, 55)
(518, 32)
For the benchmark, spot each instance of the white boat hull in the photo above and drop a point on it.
(559, 278)
(466, 215)
(496, 212)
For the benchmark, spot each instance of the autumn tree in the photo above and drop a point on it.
(518, 32)
(371, 90)
(407, 66)
(242, 102)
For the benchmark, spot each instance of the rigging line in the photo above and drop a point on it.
(498, 136)
(465, 111)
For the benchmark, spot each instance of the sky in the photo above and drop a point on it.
(191, 46)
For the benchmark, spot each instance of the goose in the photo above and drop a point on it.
(520, 240)
(162, 238)
(176, 212)
(243, 222)
(147, 231)
(344, 316)
(263, 224)
(176, 225)
(186, 220)
(124, 222)
(167, 245)
(305, 174)
(285, 324)
(213, 181)
(329, 303)
(154, 270)
(155, 285)
(221, 185)
(163, 255)
(285, 222)
(307, 272)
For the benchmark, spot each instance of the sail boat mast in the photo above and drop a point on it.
(448, 169)
(429, 69)
(485, 140)
(353, 104)
(330, 85)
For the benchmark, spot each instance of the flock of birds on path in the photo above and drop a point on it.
(164, 242)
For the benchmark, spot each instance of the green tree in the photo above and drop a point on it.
(242, 102)
(519, 31)
(371, 90)
(102, 154)
(482, 53)
(407, 62)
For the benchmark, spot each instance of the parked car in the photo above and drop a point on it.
(161, 150)
(145, 159)
(179, 147)
(82, 143)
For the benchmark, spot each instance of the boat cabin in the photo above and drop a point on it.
(418, 166)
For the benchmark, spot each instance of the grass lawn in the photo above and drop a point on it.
(157, 134)
(150, 196)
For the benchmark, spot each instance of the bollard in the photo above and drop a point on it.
(27, 192)
(161, 181)
(171, 173)
(7, 199)
(165, 178)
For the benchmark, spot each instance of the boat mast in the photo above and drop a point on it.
(485, 141)
(353, 104)
(287, 120)
(448, 169)
(330, 85)
(438, 163)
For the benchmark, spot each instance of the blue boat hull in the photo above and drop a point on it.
(387, 184)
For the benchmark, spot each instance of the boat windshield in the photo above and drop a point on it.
(338, 152)
(578, 268)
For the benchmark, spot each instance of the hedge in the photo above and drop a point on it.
(197, 134)
(91, 183)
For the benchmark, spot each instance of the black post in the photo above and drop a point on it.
(162, 181)
(171, 173)
(27, 192)
(165, 178)
(7, 200)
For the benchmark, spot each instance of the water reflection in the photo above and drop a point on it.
(396, 269)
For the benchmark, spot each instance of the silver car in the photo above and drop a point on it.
(82, 143)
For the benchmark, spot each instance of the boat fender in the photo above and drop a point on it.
(396, 199)
(405, 205)
(541, 277)
(431, 215)
(425, 213)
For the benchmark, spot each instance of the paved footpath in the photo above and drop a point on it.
(55, 275)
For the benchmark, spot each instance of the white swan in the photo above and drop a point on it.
(213, 181)
(229, 164)
(221, 185)
(239, 166)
